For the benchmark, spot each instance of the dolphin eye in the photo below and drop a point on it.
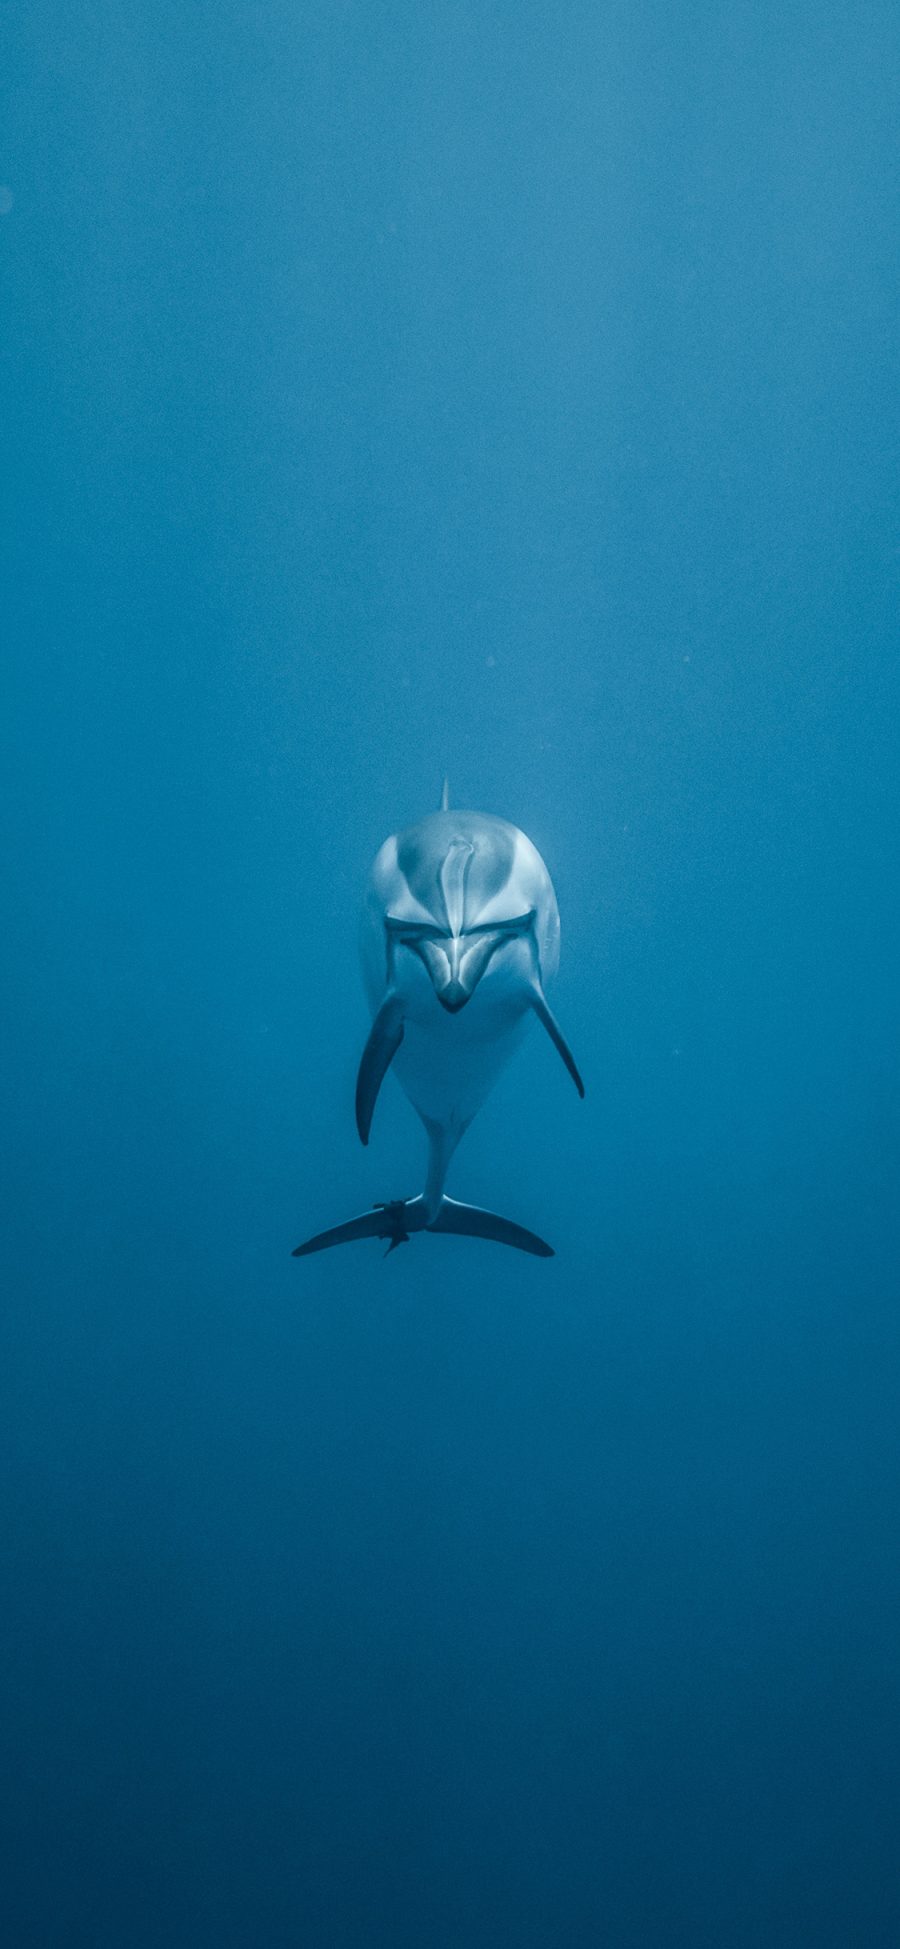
(519, 925)
(412, 930)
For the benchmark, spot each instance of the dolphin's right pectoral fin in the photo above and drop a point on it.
(470, 1221)
(385, 1037)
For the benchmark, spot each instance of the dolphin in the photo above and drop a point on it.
(460, 933)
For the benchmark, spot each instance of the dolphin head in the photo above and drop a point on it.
(466, 896)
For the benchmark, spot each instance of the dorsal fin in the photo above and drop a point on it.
(445, 795)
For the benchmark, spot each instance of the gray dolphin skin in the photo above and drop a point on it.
(460, 933)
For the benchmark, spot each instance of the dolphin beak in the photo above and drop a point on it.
(454, 992)
(464, 963)
(455, 965)
(453, 997)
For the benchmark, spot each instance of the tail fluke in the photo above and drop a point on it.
(383, 1221)
(473, 1222)
(398, 1220)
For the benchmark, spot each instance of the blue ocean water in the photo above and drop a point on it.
(508, 392)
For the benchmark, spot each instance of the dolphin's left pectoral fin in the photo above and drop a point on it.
(385, 1037)
(545, 1014)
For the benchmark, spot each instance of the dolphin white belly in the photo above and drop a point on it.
(448, 1064)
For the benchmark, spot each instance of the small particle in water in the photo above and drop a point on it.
(6, 200)
(491, 662)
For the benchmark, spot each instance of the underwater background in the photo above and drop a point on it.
(505, 391)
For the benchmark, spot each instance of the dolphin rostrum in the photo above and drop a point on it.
(460, 931)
